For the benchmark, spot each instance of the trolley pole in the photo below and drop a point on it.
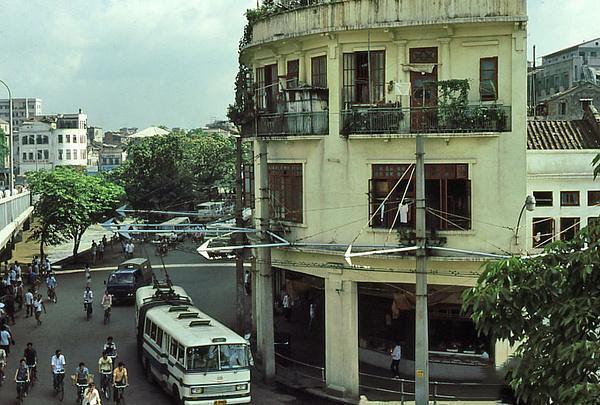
(421, 316)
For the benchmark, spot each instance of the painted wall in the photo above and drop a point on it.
(337, 170)
(561, 170)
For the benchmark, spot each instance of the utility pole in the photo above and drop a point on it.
(421, 316)
(242, 300)
(264, 281)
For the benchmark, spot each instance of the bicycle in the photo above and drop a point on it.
(88, 310)
(59, 387)
(105, 383)
(32, 374)
(52, 295)
(21, 390)
(107, 312)
(80, 390)
(120, 393)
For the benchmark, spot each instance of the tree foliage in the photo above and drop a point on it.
(67, 203)
(176, 171)
(550, 307)
(3, 147)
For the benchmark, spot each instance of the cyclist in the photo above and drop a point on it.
(81, 379)
(106, 302)
(51, 283)
(110, 347)
(22, 377)
(30, 356)
(105, 368)
(58, 368)
(88, 298)
(120, 378)
(91, 395)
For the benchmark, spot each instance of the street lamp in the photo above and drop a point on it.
(11, 183)
(529, 204)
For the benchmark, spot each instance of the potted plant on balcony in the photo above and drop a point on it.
(452, 103)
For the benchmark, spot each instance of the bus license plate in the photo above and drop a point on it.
(221, 402)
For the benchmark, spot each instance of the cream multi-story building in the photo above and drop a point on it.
(53, 140)
(342, 88)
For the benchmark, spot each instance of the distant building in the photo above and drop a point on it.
(560, 176)
(113, 138)
(53, 140)
(111, 157)
(93, 157)
(564, 69)
(23, 109)
(148, 133)
(95, 134)
(4, 127)
(567, 105)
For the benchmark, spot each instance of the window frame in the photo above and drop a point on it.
(318, 71)
(488, 97)
(543, 200)
(351, 86)
(292, 75)
(549, 237)
(593, 201)
(286, 191)
(564, 194)
(573, 223)
(442, 173)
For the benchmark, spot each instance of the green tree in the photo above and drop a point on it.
(68, 202)
(549, 306)
(176, 171)
(3, 147)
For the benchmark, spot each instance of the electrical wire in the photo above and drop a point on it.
(470, 219)
(464, 229)
(401, 203)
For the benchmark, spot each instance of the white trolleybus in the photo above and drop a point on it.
(195, 358)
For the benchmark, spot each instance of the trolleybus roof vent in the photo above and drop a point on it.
(200, 322)
(178, 308)
(186, 315)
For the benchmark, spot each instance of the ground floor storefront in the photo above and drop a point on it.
(337, 327)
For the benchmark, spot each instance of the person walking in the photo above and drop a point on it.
(100, 250)
(396, 355)
(29, 303)
(5, 339)
(286, 302)
(247, 282)
(19, 294)
(94, 251)
(38, 305)
(9, 307)
(312, 313)
(88, 276)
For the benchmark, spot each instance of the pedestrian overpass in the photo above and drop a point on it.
(15, 212)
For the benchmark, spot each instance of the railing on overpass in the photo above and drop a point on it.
(308, 375)
(15, 209)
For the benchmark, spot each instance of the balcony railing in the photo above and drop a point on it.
(373, 120)
(290, 124)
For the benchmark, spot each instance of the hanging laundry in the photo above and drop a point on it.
(403, 208)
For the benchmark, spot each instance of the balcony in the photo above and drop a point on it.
(290, 124)
(386, 120)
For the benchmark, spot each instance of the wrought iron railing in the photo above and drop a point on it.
(290, 124)
(476, 118)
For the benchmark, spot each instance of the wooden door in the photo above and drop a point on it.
(423, 98)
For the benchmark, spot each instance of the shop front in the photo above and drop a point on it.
(387, 317)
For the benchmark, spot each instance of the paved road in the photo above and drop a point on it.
(210, 284)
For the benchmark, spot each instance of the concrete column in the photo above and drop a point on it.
(444, 59)
(341, 336)
(264, 280)
(302, 67)
(334, 84)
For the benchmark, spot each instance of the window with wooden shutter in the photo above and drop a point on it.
(488, 78)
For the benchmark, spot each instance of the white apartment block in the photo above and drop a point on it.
(54, 140)
(23, 109)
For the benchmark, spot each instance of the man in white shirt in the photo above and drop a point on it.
(28, 303)
(58, 363)
(396, 356)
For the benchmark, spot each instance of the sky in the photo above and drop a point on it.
(136, 63)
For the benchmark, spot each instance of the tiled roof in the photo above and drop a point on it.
(551, 134)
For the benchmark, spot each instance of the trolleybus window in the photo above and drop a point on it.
(233, 356)
(173, 350)
(214, 358)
